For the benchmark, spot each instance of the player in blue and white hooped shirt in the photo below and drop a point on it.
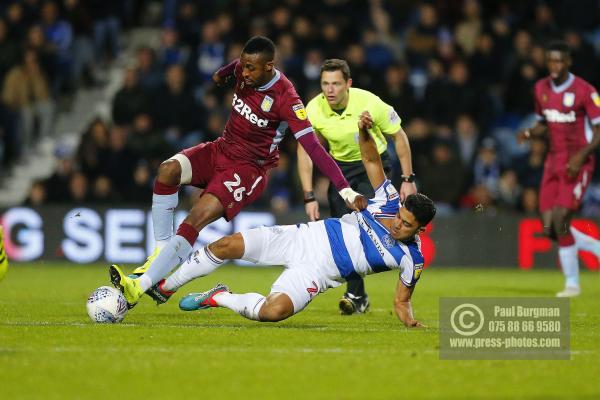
(322, 254)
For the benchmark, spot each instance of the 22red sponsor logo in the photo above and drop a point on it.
(245, 111)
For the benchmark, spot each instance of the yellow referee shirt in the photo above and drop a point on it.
(341, 131)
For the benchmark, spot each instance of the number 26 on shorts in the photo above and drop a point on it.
(237, 190)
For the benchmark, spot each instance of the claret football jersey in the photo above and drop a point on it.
(260, 116)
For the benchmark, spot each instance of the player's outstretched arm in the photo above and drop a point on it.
(403, 307)
(538, 130)
(330, 169)
(305, 172)
(368, 151)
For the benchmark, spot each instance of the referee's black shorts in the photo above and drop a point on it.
(356, 175)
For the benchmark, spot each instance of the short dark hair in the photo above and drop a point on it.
(421, 207)
(260, 45)
(335, 64)
(559, 45)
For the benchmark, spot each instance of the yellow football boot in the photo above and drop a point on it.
(139, 271)
(128, 286)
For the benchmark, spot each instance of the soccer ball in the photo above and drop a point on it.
(106, 305)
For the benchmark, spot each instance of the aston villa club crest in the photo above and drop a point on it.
(568, 99)
(266, 104)
(388, 241)
(544, 98)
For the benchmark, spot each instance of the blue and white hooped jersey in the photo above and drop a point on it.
(360, 245)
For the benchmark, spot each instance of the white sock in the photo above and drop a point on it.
(585, 242)
(201, 263)
(163, 216)
(248, 305)
(570, 265)
(160, 244)
(174, 253)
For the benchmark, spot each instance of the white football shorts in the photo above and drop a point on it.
(294, 247)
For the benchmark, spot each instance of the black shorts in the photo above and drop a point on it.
(356, 175)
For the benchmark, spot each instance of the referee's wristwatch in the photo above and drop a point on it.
(408, 178)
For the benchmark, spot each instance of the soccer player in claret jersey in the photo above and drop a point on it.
(322, 254)
(232, 169)
(568, 110)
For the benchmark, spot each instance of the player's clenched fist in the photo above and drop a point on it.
(365, 121)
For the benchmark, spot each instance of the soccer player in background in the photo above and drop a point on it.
(568, 111)
(334, 114)
(232, 169)
(322, 254)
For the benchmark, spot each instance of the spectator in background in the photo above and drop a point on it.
(469, 28)
(486, 168)
(544, 27)
(509, 191)
(92, 153)
(9, 50)
(78, 14)
(530, 167)
(421, 140)
(289, 59)
(78, 189)
(149, 74)
(467, 139)
(175, 112)
(357, 60)
(141, 188)
(443, 177)
(378, 55)
(37, 195)
(422, 38)
(17, 26)
(107, 28)
(59, 34)
(447, 99)
(529, 201)
(27, 94)
(396, 91)
(147, 143)
(131, 100)
(209, 55)
(102, 191)
(170, 52)
(46, 54)
(584, 62)
(485, 62)
(57, 184)
(121, 161)
(187, 24)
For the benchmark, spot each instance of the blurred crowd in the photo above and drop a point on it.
(48, 49)
(460, 73)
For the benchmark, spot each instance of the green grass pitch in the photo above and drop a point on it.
(50, 350)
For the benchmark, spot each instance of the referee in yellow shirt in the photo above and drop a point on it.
(334, 116)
